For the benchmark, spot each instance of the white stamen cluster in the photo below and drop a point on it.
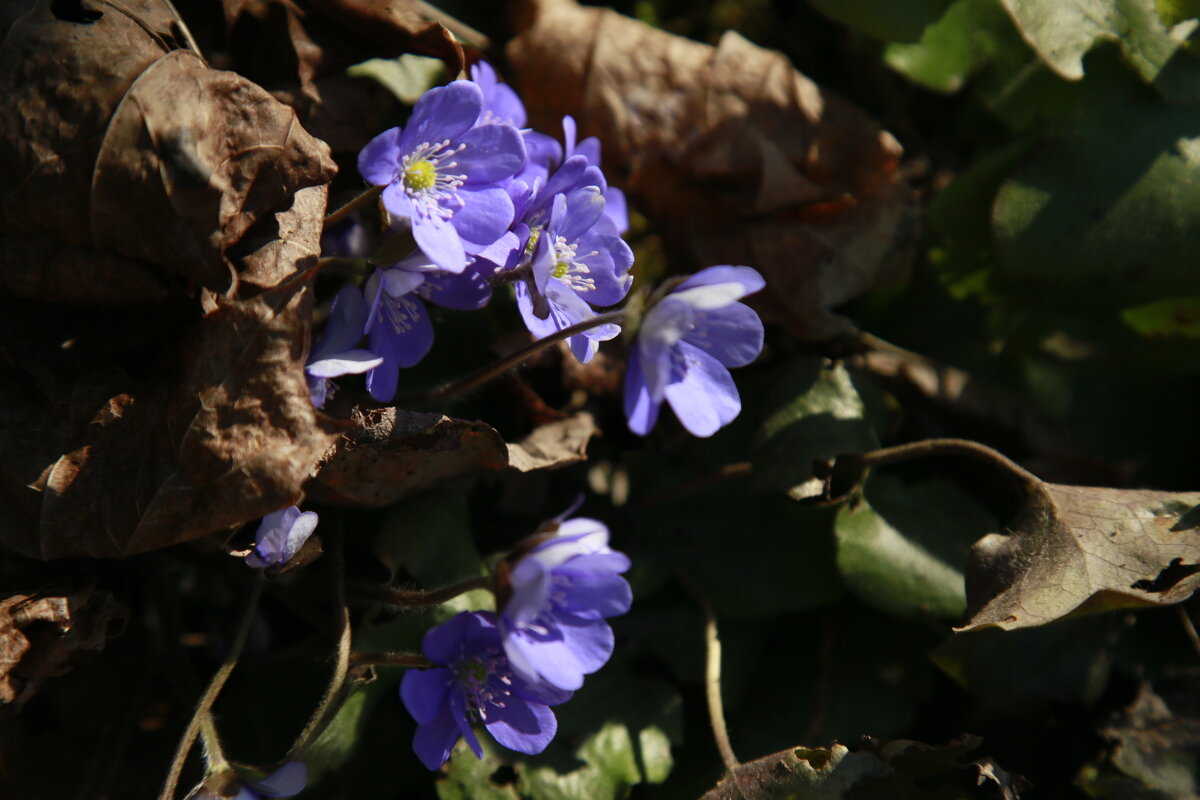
(401, 312)
(569, 267)
(427, 177)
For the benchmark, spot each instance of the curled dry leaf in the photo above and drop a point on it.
(1076, 549)
(391, 453)
(39, 634)
(555, 444)
(113, 138)
(741, 158)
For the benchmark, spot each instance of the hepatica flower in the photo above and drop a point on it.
(398, 323)
(335, 354)
(474, 684)
(280, 536)
(442, 170)
(562, 591)
(685, 345)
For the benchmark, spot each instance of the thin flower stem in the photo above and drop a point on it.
(213, 753)
(502, 366)
(712, 671)
(204, 706)
(1189, 628)
(422, 597)
(335, 691)
(936, 447)
(391, 659)
(366, 197)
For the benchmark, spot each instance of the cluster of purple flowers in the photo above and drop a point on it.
(482, 197)
(505, 670)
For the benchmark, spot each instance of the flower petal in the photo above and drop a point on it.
(530, 581)
(523, 727)
(439, 240)
(303, 528)
(706, 399)
(467, 292)
(733, 335)
(351, 362)
(746, 277)
(347, 314)
(640, 408)
(379, 160)
(442, 113)
(424, 692)
(442, 642)
(590, 641)
(492, 153)
(434, 740)
(484, 217)
(287, 781)
(543, 659)
(592, 593)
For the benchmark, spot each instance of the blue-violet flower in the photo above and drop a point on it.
(475, 684)
(441, 171)
(335, 354)
(562, 590)
(280, 536)
(686, 343)
(399, 325)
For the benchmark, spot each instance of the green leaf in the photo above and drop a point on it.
(967, 36)
(614, 734)
(902, 549)
(429, 537)
(1010, 672)
(754, 555)
(1105, 212)
(815, 415)
(407, 77)
(338, 742)
(889, 20)
(1174, 316)
(1061, 33)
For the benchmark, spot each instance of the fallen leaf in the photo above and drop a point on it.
(1156, 744)
(391, 453)
(1078, 549)
(115, 139)
(740, 158)
(553, 445)
(39, 634)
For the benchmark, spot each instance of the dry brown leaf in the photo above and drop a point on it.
(738, 156)
(1078, 549)
(112, 138)
(553, 445)
(39, 634)
(392, 453)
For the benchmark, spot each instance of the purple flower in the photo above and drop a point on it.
(442, 171)
(280, 536)
(475, 684)
(287, 781)
(335, 354)
(562, 591)
(685, 344)
(398, 323)
(500, 102)
(576, 264)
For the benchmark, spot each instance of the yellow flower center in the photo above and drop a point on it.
(420, 175)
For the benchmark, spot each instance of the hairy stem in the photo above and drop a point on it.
(367, 196)
(712, 672)
(422, 597)
(502, 366)
(335, 691)
(937, 447)
(204, 707)
(391, 659)
(213, 753)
